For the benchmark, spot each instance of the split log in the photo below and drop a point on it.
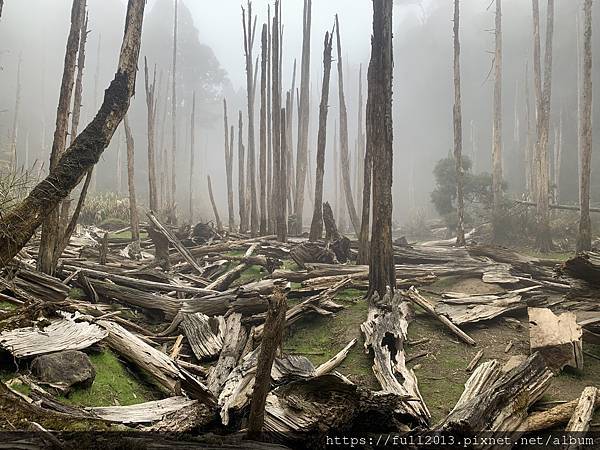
(143, 412)
(413, 295)
(480, 380)
(557, 338)
(584, 266)
(553, 417)
(234, 341)
(196, 416)
(335, 361)
(385, 333)
(53, 336)
(311, 252)
(163, 371)
(204, 334)
(580, 421)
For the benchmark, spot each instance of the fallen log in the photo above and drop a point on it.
(479, 308)
(225, 280)
(480, 380)
(584, 266)
(413, 295)
(204, 334)
(560, 207)
(336, 360)
(580, 421)
(312, 252)
(557, 338)
(385, 333)
(143, 412)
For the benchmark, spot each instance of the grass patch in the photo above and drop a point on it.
(113, 385)
(7, 306)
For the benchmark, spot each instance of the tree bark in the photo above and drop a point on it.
(263, 131)
(192, 150)
(584, 238)
(270, 215)
(497, 134)
(457, 119)
(19, 224)
(50, 228)
(151, 103)
(272, 337)
(316, 227)
(214, 206)
(283, 181)
(241, 177)
(379, 140)
(133, 212)
(229, 168)
(173, 208)
(363, 238)
(345, 162)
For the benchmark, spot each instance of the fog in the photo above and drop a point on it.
(211, 63)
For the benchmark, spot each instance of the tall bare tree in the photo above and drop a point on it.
(303, 118)
(241, 177)
(214, 206)
(151, 106)
(229, 168)
(15, 124)
(50, 228)
(134, 218)
(270, 214)
(173, 208)
(457, 119)
(497, 133)
(1, 6)
(192, 158)
(345, 160)
(363, 238)
(316, 227)
(584, 238)
(263, 130)
(19, 224)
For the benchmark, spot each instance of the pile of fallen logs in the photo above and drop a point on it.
(203, 337)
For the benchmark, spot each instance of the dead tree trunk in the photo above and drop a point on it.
(249, 34)
(192, 150)
(15, 125)
(241, 177)
(50, 228)
(151, 102)
(360, 140)
(379, 139)
(272, 337)
(529, 146)
(263, 131)
(584, 238)
(316, 227)
(173, 208)
(291, 183)
(229, 168)
(345, 161)
(21, 222)
(283, 181)
(1, 6)
(457, 119)
(133, 212)
(77, 97)
(214, 206)
(558, 159)
(270, 215)
(363, 238)
(303, 118)
(497, 148)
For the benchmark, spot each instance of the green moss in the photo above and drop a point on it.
(76, 294)
(288, 264)
(7, 306)
(113, 385)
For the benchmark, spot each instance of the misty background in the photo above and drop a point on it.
(211, 63)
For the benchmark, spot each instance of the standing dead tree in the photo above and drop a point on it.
(270, 215)
(262, 166)
(316, 227)
(303, 119)
(241, 177)
(214, 206)
(192, 151)
(173, 208)
(363, 238)
(457, 119)
(15, 124)
(151, 106)
(291, 183)
(134, 218)
(1, 6)
(497, 146)
(229, 168)
(584, 238)
(379, 140)
(50, 228)
(345, 160)
(19, 224)
(249, 29)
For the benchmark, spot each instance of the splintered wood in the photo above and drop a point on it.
(143, 412)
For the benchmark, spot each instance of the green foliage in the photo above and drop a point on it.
(14, 186)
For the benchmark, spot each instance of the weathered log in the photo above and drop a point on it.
(479, 308)
(336, 360)
(585, 266)
(196, 416)
(580, 421)
(312, 252)
(557, 338)
(225, 280)
(161, 247)
(553, 417)
(413, 295)
(142, 412)
(338, 243)
(480, 380)
(385, 333)
(475, 361)
(204, 334)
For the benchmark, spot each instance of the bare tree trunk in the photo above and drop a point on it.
(270, 213)
(229, 168)
(360, 140)
(316, 227)
(151, 105)
(529, 146)
(15, 124)
(291, 183)
(379, 140)
(21, 222)
(457, 116)
(363, 238)
(263, 131)
(77, 98)
(344, 135)
(497, 148)
(584, 238)
(192, 151)
(283, 181)
(214, 206)
(1, 6)
(271, 341)
(557, 159)
(119, 163)
(249, 34)
(173, 207)
(50, 228)
(133, 212)
(241, 177)
(303, 119)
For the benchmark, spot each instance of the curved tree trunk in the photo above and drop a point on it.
(19, 225)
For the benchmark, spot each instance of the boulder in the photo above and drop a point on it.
(64, 370)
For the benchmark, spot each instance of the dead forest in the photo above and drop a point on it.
(276, 224)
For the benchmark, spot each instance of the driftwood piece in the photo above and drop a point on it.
(385, 332)
(336, 360)
(557, 338)
(234, 341)
(553, 417)
(55, 336)
(204, 334)
(580, 421)
(413, 295)
(163, 371)
(142, 412)
(480, 380)
(503, 406)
